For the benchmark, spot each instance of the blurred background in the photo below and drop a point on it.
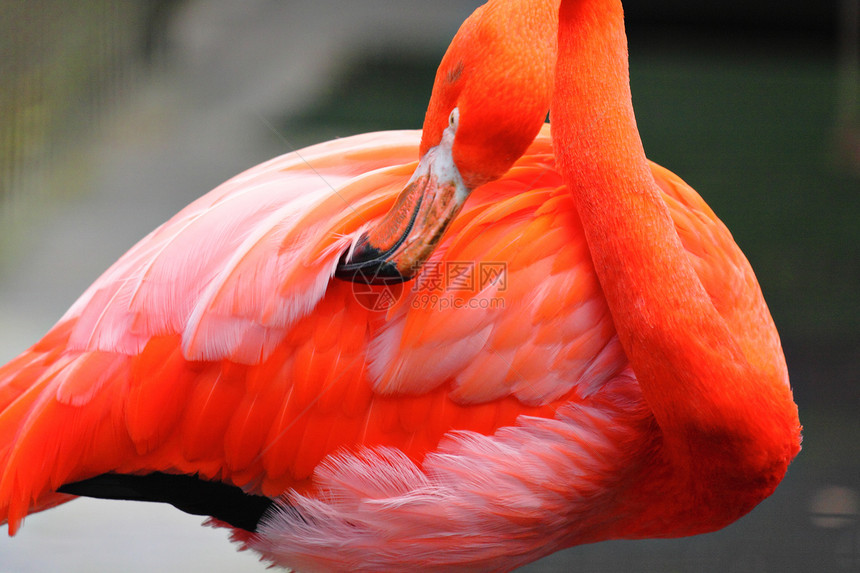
(115, 114)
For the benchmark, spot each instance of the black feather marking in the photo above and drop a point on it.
(188, 493)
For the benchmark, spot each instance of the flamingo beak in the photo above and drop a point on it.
(395, 249)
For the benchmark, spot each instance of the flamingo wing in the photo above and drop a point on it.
(147, 350)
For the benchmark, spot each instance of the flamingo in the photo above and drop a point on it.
(564, 344)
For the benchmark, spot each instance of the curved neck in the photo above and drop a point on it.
(705, 380)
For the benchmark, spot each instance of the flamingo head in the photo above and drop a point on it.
(489, 100)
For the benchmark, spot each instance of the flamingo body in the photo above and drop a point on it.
(131, 380)
(515, 398)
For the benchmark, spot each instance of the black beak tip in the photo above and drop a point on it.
(368, 266)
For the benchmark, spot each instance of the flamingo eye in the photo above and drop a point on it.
(454, 118)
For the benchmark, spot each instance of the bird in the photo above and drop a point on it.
(460, 349)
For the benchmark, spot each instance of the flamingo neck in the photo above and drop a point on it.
(592, 110)
(600, 155)
(711, 390)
